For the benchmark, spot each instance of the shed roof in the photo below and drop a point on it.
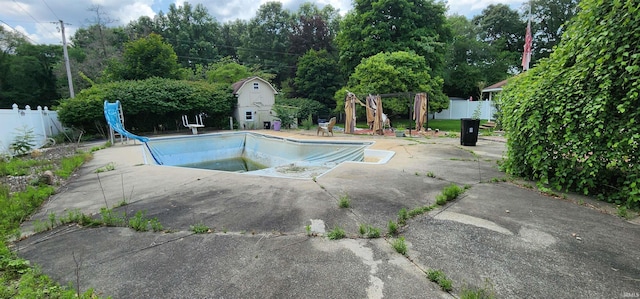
(495, 87)
(238, 85)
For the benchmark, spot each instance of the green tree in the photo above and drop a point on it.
(403, 73)
(313, 28)
(145, 58)
(503, 30)
(572, 120)
(549, 18)
(227, 72)
(231, 38)
(318, 77)
(266, 42)
(27, 76)
(192, 32)
(375, 26)
(464, 59)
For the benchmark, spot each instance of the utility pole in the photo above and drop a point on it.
(66, 60)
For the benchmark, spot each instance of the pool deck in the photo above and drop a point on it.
(522, 243)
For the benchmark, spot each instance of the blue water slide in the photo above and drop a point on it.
(112, 114)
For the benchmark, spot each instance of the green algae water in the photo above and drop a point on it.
(238, 164)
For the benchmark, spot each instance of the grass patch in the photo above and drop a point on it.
(441, 279)
(70, 164)
(400, 246)
(18, 278)
(344, 201)
(336, 233)
(431, 174)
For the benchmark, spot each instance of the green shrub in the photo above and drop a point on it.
(23, 142)
(149, 103)
(307, 124)
(572, 121)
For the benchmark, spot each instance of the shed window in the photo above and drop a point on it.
(248, 115)
(256, 85)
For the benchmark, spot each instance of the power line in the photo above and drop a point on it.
(22, 34)
(20, 6)
(45, 3)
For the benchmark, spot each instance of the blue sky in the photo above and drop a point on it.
(35, 18)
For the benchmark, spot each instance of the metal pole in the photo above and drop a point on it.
(66, 60)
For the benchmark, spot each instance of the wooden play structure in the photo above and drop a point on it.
(420, 111)
(376, 119)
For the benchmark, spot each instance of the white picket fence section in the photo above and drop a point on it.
(15, 122)
(464, 109)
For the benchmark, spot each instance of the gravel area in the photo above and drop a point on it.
(48, 159)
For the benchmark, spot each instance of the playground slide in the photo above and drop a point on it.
(112, 114)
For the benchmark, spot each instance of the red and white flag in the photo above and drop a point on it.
(526, 55)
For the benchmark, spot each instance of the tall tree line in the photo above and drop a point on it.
(311, 53)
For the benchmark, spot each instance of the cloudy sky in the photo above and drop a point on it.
(37, 19)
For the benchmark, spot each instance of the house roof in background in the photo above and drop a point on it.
(495, 87)
(238, 85)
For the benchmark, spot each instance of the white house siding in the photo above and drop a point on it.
(256, 101)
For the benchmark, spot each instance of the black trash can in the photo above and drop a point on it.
(469, 131)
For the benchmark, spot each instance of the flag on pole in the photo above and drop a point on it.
(526, 55)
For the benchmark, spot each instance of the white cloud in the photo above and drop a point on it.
(133, 11)
(471, 8)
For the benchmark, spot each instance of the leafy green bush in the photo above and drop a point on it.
(572, 120)
(149, 103)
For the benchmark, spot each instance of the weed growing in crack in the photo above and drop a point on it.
(369, 231)
(307, 228)
(403, 216)
(441, 279)
(111, 218)
(344, 201)
(392, 228)
(199, 228)
(336, 233)
(400, 246)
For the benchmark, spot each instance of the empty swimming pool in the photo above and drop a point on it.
(260, 154)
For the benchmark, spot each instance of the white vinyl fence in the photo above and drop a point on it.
(42, 123)
(464, 109)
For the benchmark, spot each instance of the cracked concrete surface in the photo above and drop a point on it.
(520, 242)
